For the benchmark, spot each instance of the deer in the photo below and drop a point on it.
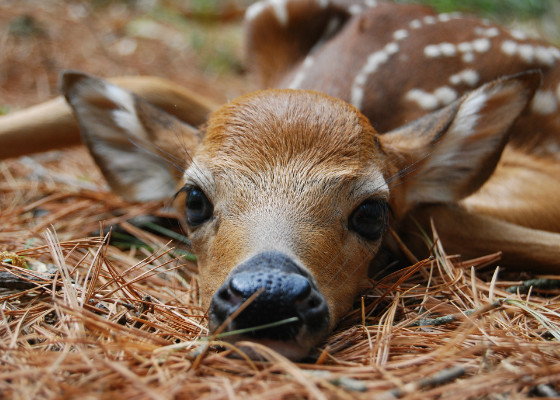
(374, 117)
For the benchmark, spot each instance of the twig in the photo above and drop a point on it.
(446, 319)
(352, 385)
(437, 379)
(12, 280)
(543, 390)
(547, 284)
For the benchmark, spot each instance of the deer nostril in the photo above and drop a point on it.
(229, 296)
(312, 303)
(224, 294)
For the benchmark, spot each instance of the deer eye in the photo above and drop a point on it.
(369, 219)
(198, 207)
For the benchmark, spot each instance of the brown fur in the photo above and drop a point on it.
(279, 160)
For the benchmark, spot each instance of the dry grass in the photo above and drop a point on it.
(106, 322)
(111, 323)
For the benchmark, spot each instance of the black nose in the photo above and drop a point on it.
(285, 292)
(279, 287)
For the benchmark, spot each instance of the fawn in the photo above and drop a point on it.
(290, 192)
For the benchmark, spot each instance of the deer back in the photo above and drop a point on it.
(398, 62)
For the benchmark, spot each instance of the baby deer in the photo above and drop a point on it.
(290, 192)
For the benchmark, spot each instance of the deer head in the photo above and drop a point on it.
(289, 192)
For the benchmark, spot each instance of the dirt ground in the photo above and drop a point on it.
(39, 39)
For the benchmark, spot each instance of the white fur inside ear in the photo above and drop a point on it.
(452, 158)
(477, 132)
(468, 115)
(147, 180)
(115, 135)
(125, 117)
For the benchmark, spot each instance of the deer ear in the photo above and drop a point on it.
(140, 149)
(447, 155)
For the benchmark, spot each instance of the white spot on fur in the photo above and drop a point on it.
(430, 20)
(468, 57)
(468, 48)
(531, 54)
(415, 24)
(492, 32)
(448, 49)
(544, 56)
(488, 32)
(432, 51)
(544, 102)
(370, 3)
(254, 10)
(444, 17)
(300, 75)
(280, 11)
(400, 34)
(481, 45)
(355, 9)
(509, 47)
(468, 76)
(445, 95)
(372, 64)
(425, 100)
(527, 53)
(440, 50)
(465, 47)
(516, 33)
(392, 48)
(430, 101)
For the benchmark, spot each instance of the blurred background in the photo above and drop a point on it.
(196, 43)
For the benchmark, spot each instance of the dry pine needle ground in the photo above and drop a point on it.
(81, 318)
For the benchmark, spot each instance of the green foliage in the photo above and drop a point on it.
(498, 9)
(205, 8)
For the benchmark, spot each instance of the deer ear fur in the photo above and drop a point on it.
(140, 149)
(447, 155)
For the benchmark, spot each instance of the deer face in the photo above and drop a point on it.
(286, 187)
(287, 195)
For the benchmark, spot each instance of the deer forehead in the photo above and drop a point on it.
(290, 143)
(288, 126)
